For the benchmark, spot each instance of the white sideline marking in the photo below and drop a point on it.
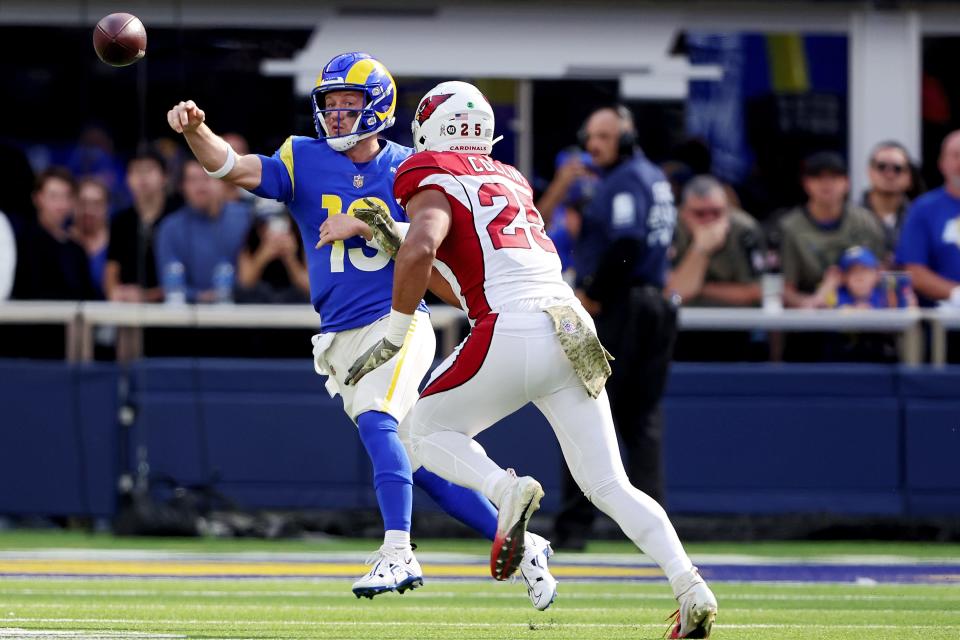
(59, 633)
(661, 594)
(384, 623)
(351, 608)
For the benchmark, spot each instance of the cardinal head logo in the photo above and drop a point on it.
(429, 104)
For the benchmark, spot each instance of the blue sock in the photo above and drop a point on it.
(391, 468)
(466, 505)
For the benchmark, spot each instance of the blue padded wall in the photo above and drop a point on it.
(767, 438)
(58, 438)
(932, 439)
(267, 433)
(752, 439)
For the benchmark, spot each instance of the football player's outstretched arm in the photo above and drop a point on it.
(429, 214)
(211, 150)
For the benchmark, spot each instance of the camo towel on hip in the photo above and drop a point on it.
(588, 357)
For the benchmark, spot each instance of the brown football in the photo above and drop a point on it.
(120, 39)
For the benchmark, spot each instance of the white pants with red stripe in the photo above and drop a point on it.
(508, 360)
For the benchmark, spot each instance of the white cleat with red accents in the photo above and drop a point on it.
(520, 499)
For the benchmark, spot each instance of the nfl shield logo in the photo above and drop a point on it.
(357, 182)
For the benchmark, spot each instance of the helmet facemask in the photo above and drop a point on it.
(366, 122)
(356, 72)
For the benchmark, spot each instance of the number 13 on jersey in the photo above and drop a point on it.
(338, 253)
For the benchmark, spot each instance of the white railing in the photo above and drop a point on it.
(81, 318)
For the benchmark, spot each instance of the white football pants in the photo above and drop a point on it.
(392, 387)
(508, 360)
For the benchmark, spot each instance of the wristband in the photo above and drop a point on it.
(397, 327)
(227, 167)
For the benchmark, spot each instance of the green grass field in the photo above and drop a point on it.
(325, 608)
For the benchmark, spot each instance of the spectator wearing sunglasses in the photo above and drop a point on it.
(891, 180)
(718, 250)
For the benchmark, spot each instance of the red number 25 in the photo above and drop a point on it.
(495, 194)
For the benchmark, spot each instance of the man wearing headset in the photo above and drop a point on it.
(621, 264)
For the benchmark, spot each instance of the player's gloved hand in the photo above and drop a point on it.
(384, 228)
(370, 360)
(394, 335)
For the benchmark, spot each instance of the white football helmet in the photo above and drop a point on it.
(454, 116)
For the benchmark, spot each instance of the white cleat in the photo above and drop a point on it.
(698, 608)
(541, 585)
(518, 503)
(393, 570)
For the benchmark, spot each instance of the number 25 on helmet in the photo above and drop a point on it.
(454, 116)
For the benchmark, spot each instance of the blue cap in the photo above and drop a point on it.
(858, 256)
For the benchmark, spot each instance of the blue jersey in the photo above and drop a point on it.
(931, 234)
(890, 293)
(351, 283)
(633, 201)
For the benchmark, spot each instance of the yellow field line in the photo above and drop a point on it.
(316, 569)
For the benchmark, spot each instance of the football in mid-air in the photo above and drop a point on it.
(120, 39)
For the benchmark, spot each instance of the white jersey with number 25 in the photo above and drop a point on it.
(496, 251)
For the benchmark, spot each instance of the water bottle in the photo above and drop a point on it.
(771, 284)
(175, 283)
(223, 282)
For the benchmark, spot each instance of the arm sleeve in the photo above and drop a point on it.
(276, 174)
(914, 244)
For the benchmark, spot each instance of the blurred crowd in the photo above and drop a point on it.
(895, 245)
(157, 228)
(835, 249)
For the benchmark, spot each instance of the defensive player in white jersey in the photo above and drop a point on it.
(473, 218)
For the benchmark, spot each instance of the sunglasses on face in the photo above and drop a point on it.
(883, 167)
(706, 212)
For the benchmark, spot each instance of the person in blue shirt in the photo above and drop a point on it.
(863, 286)
(202, 235)
(621, 264)
(323, 181)
(929, 247)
